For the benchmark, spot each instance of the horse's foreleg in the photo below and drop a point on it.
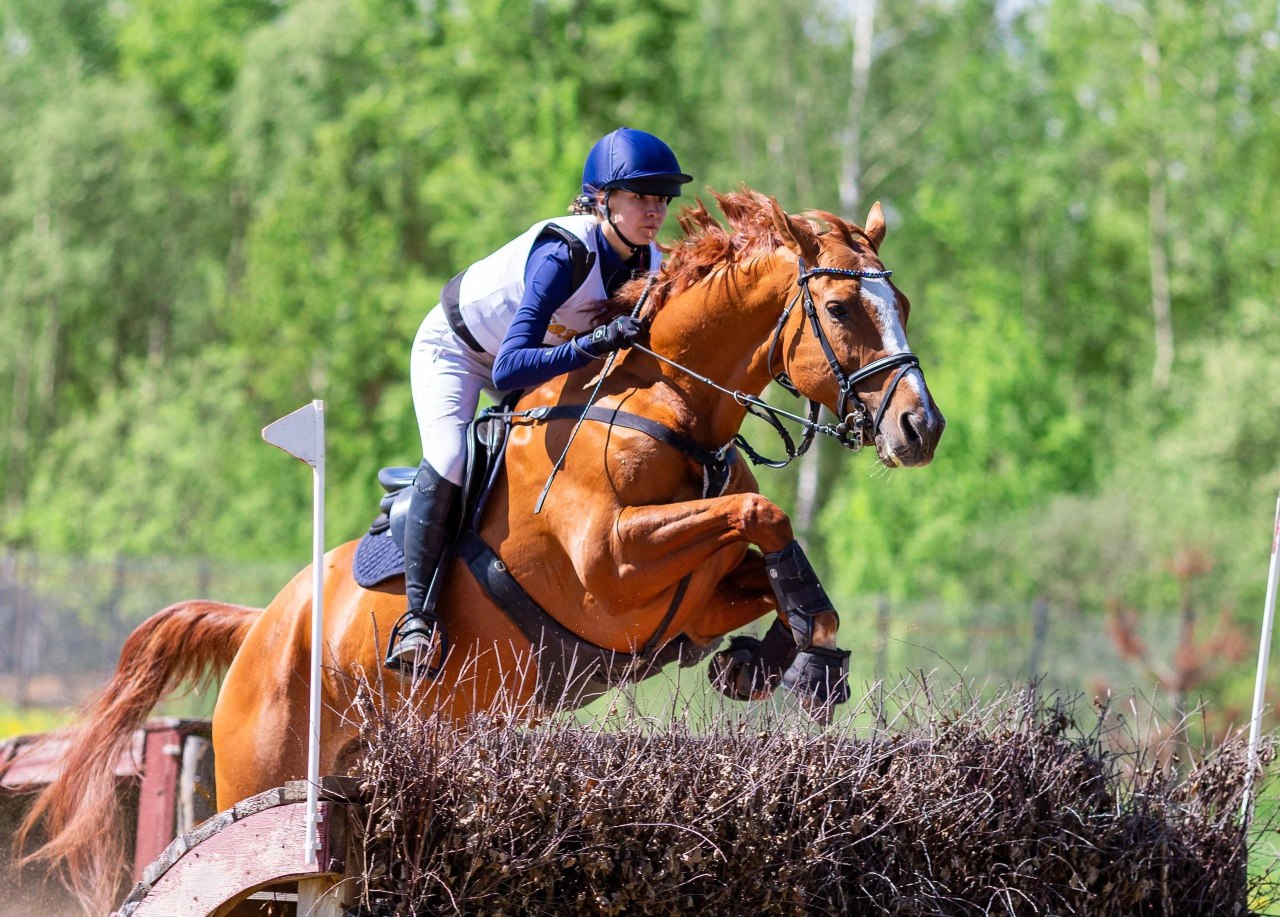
(740, 598)
(683, 536)
(751, 668)
(680, 538)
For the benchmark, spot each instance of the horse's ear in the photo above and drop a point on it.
(795, 235)
(875, 226)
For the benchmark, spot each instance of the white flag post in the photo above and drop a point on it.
(301, 434)
(1264, 652)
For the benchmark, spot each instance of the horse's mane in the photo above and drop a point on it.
(707, 245)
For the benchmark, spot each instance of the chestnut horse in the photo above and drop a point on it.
(625, 524)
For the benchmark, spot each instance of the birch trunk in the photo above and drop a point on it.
(1157, 213)
(809, 482)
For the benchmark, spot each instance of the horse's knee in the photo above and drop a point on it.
(762, 522)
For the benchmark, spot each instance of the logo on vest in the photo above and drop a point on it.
(563, 333)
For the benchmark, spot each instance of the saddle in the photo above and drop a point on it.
(571, 671)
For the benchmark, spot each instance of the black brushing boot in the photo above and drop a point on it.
(799, 592)
(821, 675)
(426, 533)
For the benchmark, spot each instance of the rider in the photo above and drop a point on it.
(527, 313)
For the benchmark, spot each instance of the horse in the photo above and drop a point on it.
(630, 548)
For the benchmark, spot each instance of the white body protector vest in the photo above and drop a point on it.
(489, 292)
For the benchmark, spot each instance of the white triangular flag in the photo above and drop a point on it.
(301, 433)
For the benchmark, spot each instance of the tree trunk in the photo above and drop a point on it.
(1157, 212)
(864, 15)
(809, 485)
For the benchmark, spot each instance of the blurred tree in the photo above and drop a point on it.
(212, 211)
(97, 269)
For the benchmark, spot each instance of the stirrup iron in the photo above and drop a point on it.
(415, 635)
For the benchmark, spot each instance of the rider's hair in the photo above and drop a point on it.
(585, 205)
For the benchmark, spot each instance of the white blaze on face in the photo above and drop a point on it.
(879, 295)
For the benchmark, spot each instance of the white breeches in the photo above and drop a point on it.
(446, 377)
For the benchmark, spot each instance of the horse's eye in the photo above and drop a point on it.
(837, 310)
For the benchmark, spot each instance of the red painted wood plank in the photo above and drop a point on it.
(257, 852)
(158, 796)
(34, 761)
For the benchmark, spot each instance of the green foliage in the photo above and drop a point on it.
(212, 212)
(189, 52)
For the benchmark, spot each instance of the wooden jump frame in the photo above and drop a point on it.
(171, 758)
(252, 848)
(219, 864)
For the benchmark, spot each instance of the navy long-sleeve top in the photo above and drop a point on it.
(523, 361)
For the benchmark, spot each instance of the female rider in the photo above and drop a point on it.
(525, 314)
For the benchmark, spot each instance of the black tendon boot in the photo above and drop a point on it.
(426, 533)
(798, 590)
(817, 674)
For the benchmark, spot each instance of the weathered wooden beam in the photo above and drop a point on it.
(254, 846)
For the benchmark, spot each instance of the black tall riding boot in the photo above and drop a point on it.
(426, 533)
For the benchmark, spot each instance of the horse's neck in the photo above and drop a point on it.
(721, 328)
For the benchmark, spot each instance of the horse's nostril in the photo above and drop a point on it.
(909, 431)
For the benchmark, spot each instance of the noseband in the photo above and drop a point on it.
(852, 430)
(854, 427)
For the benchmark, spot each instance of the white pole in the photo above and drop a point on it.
(317, 642)
(301, 434)
(1264, 652)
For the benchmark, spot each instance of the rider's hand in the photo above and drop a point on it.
(617, 334)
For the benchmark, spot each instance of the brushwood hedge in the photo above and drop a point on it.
(914, 804)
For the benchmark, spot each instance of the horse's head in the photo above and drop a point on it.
(843, 342)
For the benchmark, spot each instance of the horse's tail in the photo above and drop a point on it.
(85, 839)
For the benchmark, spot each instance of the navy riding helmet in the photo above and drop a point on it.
(634, 161)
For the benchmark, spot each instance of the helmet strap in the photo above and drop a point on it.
(608, 215)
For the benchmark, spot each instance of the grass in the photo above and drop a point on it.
(15, 721)
(18, 720)
(1264, 850)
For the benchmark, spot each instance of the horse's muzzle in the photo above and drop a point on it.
(909, 438)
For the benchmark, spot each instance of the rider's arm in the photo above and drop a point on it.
(523, 361)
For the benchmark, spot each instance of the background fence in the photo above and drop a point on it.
(63, 621)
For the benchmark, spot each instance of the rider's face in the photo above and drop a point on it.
(636, 216)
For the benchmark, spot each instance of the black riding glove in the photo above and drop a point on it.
(605, 339)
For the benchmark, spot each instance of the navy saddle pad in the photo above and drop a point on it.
(378, 559)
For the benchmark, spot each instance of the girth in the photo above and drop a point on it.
(572, 671)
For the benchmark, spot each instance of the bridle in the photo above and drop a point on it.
(854, 421)
(854, 430)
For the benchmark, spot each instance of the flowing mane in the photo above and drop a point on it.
(708, 245)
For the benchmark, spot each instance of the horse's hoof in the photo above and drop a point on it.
(819, 677)
(737, 673)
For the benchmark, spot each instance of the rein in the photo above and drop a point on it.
(854, 421)
(759, 408)
(608, 365)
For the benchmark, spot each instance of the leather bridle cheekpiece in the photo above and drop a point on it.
(854, 426)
